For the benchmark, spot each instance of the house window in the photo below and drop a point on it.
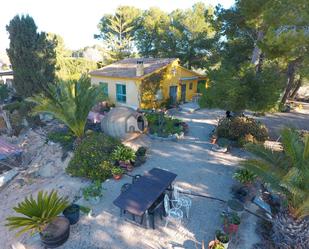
(121, 93)
(190, 85)
(104, 87)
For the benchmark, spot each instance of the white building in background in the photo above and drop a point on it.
(6, 77)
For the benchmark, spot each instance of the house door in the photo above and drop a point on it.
(173, 94)
(183, 92)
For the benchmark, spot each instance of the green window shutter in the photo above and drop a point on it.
(121, 93)
(104, 87)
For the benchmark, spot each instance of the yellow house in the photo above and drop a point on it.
(122, 80)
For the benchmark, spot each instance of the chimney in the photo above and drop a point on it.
(139, 68)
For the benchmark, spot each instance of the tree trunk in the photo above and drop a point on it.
(298, 85)
(289, 233)
(256, 59)
(290, 79)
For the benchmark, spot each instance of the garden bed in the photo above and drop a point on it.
(165, 128)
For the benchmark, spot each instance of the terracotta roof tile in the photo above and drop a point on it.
(127, 68)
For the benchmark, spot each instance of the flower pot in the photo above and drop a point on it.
(226, 245)
(130, 167)
(213, 140)
(56, 233)
(117, 177)
(233, 228)
(124, 164)
(235, 206)
(72, 213)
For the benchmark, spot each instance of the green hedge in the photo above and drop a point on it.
(90, 157)
(242, 130)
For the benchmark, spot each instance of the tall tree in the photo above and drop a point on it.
(235, 82)
(32, 56)
(287, 40)
(117, 32)
(68, 67)
(185, 34)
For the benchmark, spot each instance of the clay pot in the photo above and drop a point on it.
(117, 177)
(213, 140)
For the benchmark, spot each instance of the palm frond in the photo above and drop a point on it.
(37, 213)
(287, 172)
(69, 102)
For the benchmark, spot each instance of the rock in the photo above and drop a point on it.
(18, 245)
(6, 177)
(48, 170)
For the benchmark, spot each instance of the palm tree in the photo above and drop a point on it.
(69, 102)
(286, 173)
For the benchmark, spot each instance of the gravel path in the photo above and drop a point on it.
(199, 170)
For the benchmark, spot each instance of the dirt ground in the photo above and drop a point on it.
(199, 169)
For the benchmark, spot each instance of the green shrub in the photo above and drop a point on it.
(242, 129)
(64, 138)
(93, 190)
(4, 92)
(163, 125)
(244, 176)
(123, 153)
(92, 156)
(24, 109)
(12, 106)
(117, 171)
(141, 151)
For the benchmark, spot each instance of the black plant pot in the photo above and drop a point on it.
(72, 213)
(56, 233)
(242, 194)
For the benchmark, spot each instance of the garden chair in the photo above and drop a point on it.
(172, 213)
(183, 200)
(136, 178)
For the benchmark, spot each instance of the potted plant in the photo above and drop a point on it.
(140, 156)
(215, 244)
(117, 172)
(93, 193)
(223, 238)
(124, 155)
(244, 176)
(41, 215)
(233, 222)
(235, 206)
(72, 213)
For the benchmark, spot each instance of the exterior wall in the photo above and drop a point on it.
(174, 80)
(132, 90)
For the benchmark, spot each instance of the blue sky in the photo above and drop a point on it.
(76, 21)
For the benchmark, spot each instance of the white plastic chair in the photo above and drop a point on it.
(183, 200)
(172, 213)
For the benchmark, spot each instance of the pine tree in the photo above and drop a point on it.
(32, 56)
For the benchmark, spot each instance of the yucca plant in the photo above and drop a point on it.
(70, 102)
(37, 213)
(286, 173)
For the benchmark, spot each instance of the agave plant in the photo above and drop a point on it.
(37, 213)
(69, 102)
(286, 173)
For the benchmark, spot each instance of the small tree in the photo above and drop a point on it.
(32, 56)
(70, 102)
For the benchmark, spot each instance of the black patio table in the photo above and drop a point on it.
(143, 193)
